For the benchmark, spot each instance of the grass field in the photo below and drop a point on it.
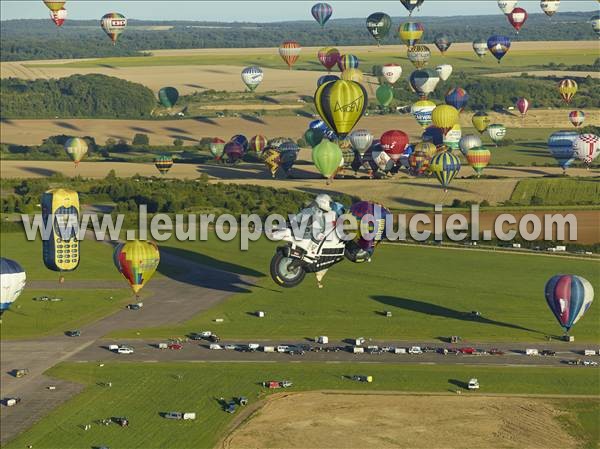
(558, 191)
(429, 291)
(142, 391)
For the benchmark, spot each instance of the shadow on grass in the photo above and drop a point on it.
(459, 383)
(39, 171)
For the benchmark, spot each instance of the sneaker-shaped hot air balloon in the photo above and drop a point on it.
(478, 158)
(322, 13)
(252, 77)
(328, 57)
(445, 166)
(586, 148)
(497, 132)
(442, 42)
(168, 96)
(419, 55)
(480, 47)
(568, 297)
(163, 163)
(12, 283)
(378, 25)
(216, 147)
(560, 145)
(567, 88)
(498, 46)
(327, 157)
(76, 148)
(481, 120)
(341, 104)
(113, 25)
(59, 17)
(411, 32)
(136, 261)
(517, 18)
(550, 7)
(290, 52)
(391, 72)
(422, 110)
(577, 118)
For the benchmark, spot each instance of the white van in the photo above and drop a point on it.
(268, 348)
(215, 346)
(189, 415)
(323, 339)
(589, 352)
(473, 384)
(532, 351)
(113, 347)
(125, 350)
(358, 350)
(399, 350)
(253, 346)
(283, 348)
(415, 350)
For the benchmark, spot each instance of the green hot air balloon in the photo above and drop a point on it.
(168, 96)
(385, 95)
(163, 163)
(76, 148)
(313, 137)
(327, 157)
(379, 25)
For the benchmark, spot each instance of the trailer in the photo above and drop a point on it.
(358, 350)
(399, 350)
(532, 351)
(268, 348)
(588, 352)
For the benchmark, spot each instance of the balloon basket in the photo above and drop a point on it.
(568, 338)
(61, 279)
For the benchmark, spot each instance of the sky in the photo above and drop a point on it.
(261, 11)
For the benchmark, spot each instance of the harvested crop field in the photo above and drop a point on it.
(334, 420)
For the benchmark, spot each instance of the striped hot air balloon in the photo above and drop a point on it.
(113, 25)
(411, 32)
(257, 143)
(568, 297)
(328, 56)
(54, 6)
(76, 148)
(467, 142)
(418, 162)
(560, 145)
(322, 13)
(522, 105)
(445, 166)
(480, 47)
(361, 139)
(136, 261)
(419, 55)
(272, 159)
(428, 148)
(163, 163)
(353, 75)
(216, 147)
(577, 118)
(348, 61)
(567, 88)
(478, 158)
(587, 147)
(59, 17)
(517, 18)
(290, 52)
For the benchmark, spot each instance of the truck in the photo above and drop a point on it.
(473, 384)
(532, 351)
(268, 348)
(253, 346)
(358, 350)
(359, 341)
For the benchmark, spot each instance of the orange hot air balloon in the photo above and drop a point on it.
(290, 52)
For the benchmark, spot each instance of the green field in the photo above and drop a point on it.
(467, 61)
(141, 391)
(558, 191)
(428, 290)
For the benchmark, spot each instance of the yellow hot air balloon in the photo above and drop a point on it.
(76, 148)
(481, 121)
(341, 104)
(445, 117)
(353, 75)
(428, 148)
(54, 6)
(567, 89)
(136, 261)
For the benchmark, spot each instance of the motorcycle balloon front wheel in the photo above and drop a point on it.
(284, 272)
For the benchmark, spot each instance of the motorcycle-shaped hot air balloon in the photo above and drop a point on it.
(163, 163)
(411, 33)
(550, 7)
(113, 25)
(442, 42)
(216, 147)
(517, 18)
(568, 296)
(424, 82)
(168, 96)
(560, 145)
(567, 89)
(497, 132)
(586, 148)
(410, 5)
(419, 55)
(478, 158)
(378, 25)
(252, 77)
(341, 104)
(422, 110)
(445, 166)
(59, 17)
(480, 47)
(498, 46)
(328, 57)
(76, 148)
(444, 71)
(481, 120)
(137, 261)
(322, 13)
(391, 73)
(577, 118)
(290, 52)
(12, 283)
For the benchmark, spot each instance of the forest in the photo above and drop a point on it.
(39, 39)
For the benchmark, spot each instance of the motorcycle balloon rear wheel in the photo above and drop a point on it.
(282, 274)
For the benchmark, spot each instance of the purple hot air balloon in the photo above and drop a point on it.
(234, 151)
(569, 297)
(321, 12)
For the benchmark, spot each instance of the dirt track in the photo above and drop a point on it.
(402, 421)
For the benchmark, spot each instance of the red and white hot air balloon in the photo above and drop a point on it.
(522, 105)
(59, 17)
(517, 18)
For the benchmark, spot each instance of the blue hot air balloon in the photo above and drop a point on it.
(321, 12)
(434, 135)
(242, 140)
(326, 78)
(560, 145)
(498, 46)
(568, 297)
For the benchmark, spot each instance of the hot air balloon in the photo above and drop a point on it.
(419, 55)
(586, 148)
(452, 137)
(496, 132)
(442, 42)
(469, 141)
(560, 145)
(410, 5)
(517, 18)
(12, 283)
(424, 82)
(391, 72)
(216, 147)
(252, 77)
(445, 166)
(326, 78)
(113, 25)
(242, 140)
(290, 52)
(568, 89)
(577, 118)
(381, 161)
(478, 158)
(313, 137)
(54, 6)
(384, 95)
(394, 143)
(168, 96)
(328, 56)
(480, 47)
(427, 148)
(234, 151)
(506, 6)
(163, 163)
(361, 139)
(346, 62)
(595, 21)
(458, 98)
(272, 159)
(136, 261)
(411, 32)
(321, 12)
(379, 24)
(433, 135)
(422, 110)
(522, 105)
(569, 297)
(481, 121)
(498, 46)
(326, 157)
(550, 7)
(444, 71)
(341, 104)
(444, 117)
(418, 163)
(257, 143)
(59, 17)
(288, 155)
(352, 75)
(76, 148)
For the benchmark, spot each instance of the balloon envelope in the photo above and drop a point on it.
(469, 141)
(290, 52)
(481, 121)
(136, 261)
(163, 163)
(445, 166)
(411, 32)
(587, 147)
(444, 71)
(424, 82)
(577, 118)
(168, 96)
(496, 132)
(568, 296)
(391, 72)
(341, 104)
(384, 95)
(498, 46)
(326, 157)
(113, 25)
(361, 139)
(442, 42)
(252, 77)
(76, 148)
(478, 158)
(12, 282)
(458, 98)
(419, 55)
(567, 88)
(328, 56)
(422, 111)
(321, 12)
(378, 25)
(560, 145)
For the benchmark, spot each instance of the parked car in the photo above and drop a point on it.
(473, 384)
(467, 350)
(590, 363)
(175, 346)
(495, 351)
(20, 372)
(415, 350)
(73, 333)
(173, 415)
(195, 336)
(213, 338)
(548, 352)
(137, 306)
(9, 402)
(231, 347)
(125, 350)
